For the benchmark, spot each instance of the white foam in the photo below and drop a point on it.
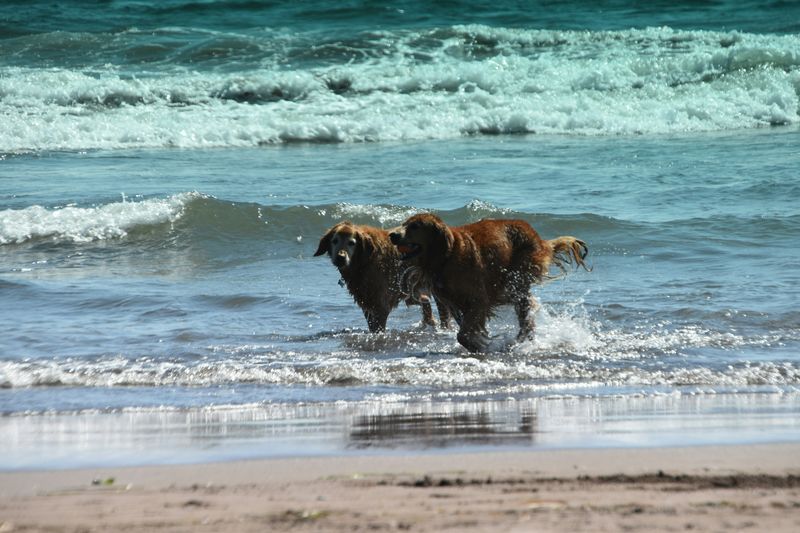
(653, 80)
(85, 224)
(384, 215)
(568, 355)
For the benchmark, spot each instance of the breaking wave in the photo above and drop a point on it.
(273, 88)
(569, 354)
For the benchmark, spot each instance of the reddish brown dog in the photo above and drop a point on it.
(373, 271)
(473, 269)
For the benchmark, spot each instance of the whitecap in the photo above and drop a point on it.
(85, 224)
(477, 80)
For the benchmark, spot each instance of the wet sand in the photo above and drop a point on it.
(708, 488)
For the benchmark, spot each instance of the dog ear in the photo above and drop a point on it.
(366, 245)
(444, 236)
(325, 243)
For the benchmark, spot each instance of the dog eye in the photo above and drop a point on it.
(352, 242)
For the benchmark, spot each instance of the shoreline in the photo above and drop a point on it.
(649, 489)
(193, 436)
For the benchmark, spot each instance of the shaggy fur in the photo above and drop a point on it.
(473, 269)
(374, 274)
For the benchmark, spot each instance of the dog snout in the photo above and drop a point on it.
(341, 259)
(395, 237)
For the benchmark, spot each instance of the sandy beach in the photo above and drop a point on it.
(720, 488)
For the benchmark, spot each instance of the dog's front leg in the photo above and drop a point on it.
(376, 319)
(444, 313)
(427, 314)
(472, 334)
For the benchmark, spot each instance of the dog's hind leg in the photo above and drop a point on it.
(525, 307)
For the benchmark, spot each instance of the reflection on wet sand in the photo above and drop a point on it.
(442, 429)
(162, 436)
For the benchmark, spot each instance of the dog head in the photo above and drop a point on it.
(424, 238)
(343, 243)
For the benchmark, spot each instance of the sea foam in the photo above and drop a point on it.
(403, 85)
(570, 353)
(85, 224)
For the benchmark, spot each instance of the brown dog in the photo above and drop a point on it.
(373, 271)
(473, 269)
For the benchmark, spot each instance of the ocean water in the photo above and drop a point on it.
(167, 169)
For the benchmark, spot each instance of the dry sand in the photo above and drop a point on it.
(747, 488)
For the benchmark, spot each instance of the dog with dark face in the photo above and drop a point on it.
(372, 269)
(475, 268)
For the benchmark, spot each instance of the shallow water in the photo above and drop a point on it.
(167, 436)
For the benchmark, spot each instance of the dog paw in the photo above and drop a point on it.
(474, 343)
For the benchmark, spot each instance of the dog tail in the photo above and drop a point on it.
(569, 251)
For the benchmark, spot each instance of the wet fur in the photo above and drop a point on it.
(373, 276)
(475, 268)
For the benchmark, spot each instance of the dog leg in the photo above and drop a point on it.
(427, 314)
(525, 307)
(444, 314)
(376, 319)
(473, 335)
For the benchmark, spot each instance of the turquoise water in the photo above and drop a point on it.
(167, 168)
